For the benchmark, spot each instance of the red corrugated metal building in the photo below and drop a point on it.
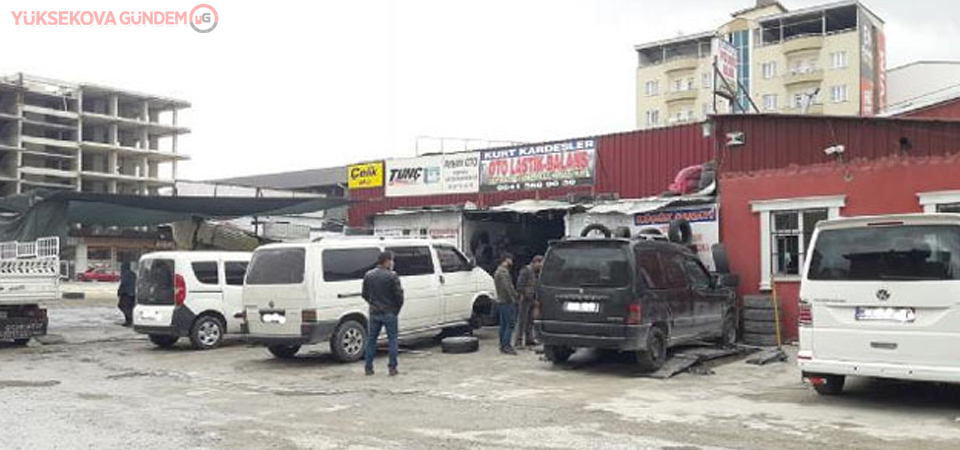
(633, 164)
(780, 181)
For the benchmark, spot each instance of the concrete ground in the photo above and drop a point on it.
(100, 386)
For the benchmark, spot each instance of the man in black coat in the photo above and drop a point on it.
(127, 293)
(382, 291)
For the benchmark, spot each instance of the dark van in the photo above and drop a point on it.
(641, 294)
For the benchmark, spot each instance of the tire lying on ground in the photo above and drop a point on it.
(760, 340)
(758, 302)
(759, 327)
(460, 344)
(759, 315)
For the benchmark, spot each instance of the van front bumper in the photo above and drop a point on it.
(880, 370)
(310, 333)
(589, 335)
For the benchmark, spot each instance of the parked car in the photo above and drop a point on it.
(190, 294)
(879, 299)
(308, 293)
(102, 275)
(641, 295)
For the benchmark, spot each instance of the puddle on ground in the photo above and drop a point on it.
(27, 384)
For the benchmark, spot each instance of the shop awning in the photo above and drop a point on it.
(536, 206)
(51, 214)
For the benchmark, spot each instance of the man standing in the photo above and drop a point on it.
(506, 303)
(527, 283)
(127, 293)
(382, 291)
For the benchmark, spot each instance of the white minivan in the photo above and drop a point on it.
(307, 293)
(880, 297)
(190, 294)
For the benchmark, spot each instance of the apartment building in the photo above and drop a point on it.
(823, 60)
(86, 137)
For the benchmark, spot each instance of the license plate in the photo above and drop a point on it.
(152, 316)
(581, 307)
(22, 328)
(273, 317)
(902, 315)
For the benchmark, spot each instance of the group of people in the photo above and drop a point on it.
(514, 301)
(384, 294)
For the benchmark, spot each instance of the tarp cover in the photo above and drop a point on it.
(37, 215)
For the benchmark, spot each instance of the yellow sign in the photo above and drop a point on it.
(363, 176)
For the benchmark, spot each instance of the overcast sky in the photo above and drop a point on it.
(294, 85)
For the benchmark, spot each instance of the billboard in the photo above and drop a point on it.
(364, 176)
(704, 221)
(545, 166)
(726, 58)
(454, 173)
(872, 66)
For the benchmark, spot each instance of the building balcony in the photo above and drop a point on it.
(801, 77)
(681, 64)
(803, 43)
(679, 96)
(48, 141)
(161, 155)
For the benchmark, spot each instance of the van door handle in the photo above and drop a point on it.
(442, 280)
(349, 295)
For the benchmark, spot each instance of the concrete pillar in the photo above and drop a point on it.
(113, 108)
(81, 256)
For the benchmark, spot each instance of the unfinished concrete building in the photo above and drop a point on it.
(86, 137)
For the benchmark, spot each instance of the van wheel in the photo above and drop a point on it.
(163, 341)
(21, 342)
(284, 351)
(831, 385)
(349, 341)
(557, 354)
(653, 358)
(206, 333)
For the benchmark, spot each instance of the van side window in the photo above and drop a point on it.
(411, 261)
(650, 270)
(673, 271)
(451, 260)
(206, 272)
(348, 264)
(234, 271)
(699, 278)
(282, 265)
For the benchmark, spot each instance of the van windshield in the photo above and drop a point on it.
(276, 266)
(905, 253)
(587, 264)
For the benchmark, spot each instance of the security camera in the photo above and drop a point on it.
(834, 150)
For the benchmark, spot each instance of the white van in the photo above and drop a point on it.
(298, 294)
(880, 297)
(190, 294)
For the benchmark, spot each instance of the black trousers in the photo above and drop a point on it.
(126, 305)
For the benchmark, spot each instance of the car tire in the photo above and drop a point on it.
(349, 341)
(460, 344)
(163, 341)
(760, 340)
(21, 342)
(758, 302)
(759, 327)
(557, 354)
(207, 333)
(284, 351)
(759, 315)
(652, 359)
(728, 334)
(832, 385)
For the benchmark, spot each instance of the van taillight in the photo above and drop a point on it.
(806, 313)
(633, 314)
(179, 290)
(309, 315)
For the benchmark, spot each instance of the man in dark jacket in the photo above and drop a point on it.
(506, 303)
(127, 293)
(382, 291)
(527, 283)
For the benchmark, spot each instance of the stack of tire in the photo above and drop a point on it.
(759, 321)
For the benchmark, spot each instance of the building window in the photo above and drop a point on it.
(653, 117)
(786, 226)
(770, 102)
(706, 80)
(769, 70)
(838, 60)
(838, 94)
(798, 100)
(651, 88)
(690, 85)
(940, 201)
(706, 110)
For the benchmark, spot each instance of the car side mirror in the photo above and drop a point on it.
(472, 261)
